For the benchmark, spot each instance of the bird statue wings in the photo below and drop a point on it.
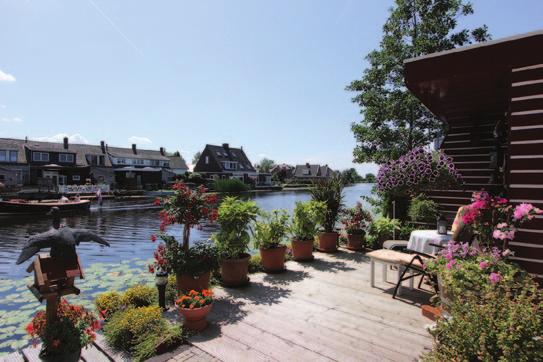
(61, 241)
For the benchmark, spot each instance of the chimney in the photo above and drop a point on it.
(134, 148)
(162, 151)
(26, 139)
(103, 146)
(226, 147)
(65, 143)
(307, 164)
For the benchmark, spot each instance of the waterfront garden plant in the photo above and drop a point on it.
(140, 296)
(417, 171)
(330, 192)
(494, 220)
(75, 328)
(307, 218)
(494, 308)
(195, 299)
(422, 209)
(108, 303)
(356, 220)
(271, 230)
(382, 229)
(234, 218)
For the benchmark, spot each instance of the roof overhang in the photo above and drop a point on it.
(471, 81)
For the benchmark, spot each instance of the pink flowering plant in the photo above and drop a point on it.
(494, 220)
(418, 170)
(465, 269)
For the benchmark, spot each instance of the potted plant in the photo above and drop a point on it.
(307, 218)
(194, 307)
(232, 241)
(269, 234)
(63, 338)
(355, 220)
(329, 191)
(192, 265)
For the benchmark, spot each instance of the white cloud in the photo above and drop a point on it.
(75, 138)
(3, 106)
(10, 120)
(140, 140)
(6, 77)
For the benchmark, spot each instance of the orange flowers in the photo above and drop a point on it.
(195, 299)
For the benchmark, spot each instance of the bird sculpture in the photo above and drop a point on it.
(61, 240)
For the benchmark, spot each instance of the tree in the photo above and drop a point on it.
(265, 165)
(370, 178)
(394, 121)
(350, 176)
(196, 157)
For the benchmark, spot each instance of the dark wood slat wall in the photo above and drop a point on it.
(525, 162)
(470, 143)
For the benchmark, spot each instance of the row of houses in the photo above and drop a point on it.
(25, 162)
(50, 164)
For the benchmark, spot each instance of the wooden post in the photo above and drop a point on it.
(51, 307)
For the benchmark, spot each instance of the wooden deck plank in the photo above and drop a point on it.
(32, 354)
(93, 354)
(101, 345)
(324, 310)
(12, 357)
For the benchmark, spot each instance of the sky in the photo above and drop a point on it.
(266, 75)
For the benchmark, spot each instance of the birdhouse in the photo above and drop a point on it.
(54, 277)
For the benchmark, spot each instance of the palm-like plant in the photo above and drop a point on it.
(329, 191)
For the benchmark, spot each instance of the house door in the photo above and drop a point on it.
(53, 175)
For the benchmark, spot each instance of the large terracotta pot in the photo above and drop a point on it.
(355, 241)
(273, 259)
(328, 242)
(195, 319)
(234, 271)
(64, 357)
(302, 250)
(187, 282)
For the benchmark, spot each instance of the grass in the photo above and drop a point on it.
(229, 185)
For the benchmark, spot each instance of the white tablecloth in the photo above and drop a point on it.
(420, 241)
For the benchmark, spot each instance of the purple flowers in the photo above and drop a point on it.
(525, 211)
(418, 168)
(483, 265)
(495, 278)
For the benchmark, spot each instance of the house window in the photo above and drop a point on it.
(101, 160)
(138, 162)
(66, 157)
(166, 164)
(207, 160)
(76, 178)
(40, 156)
(3, 155)
(13, 156)
(241, 166)
(234, 154)
(305, 171)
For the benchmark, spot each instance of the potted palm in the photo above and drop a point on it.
(269, 234)
(62, 339)
(330, 192)
(194, 306)
(232, 241)
(306, 220)
(192, 265)
(355, 220)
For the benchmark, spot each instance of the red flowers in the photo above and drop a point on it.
(153, 238)
(157, 202)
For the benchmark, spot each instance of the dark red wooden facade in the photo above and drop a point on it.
(490, 96)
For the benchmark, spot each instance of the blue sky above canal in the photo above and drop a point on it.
(268, 75)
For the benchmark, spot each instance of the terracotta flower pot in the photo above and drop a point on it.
(195, 319)
(234, 271)
(273, 259)
(355, 241)
(187, 282)
(328, 242)
(63, 357)
(302, 250)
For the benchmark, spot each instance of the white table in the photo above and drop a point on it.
(421, 241)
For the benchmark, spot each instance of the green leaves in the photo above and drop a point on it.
(307, 218)
(271, 230)
(329, 191)
(394, 121)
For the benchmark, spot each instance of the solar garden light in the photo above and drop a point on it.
(161, 280)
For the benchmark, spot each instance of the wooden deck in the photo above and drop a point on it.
(319, 311)
(323, 310)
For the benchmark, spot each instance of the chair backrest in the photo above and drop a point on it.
(461, 231)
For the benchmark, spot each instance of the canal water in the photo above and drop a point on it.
(127, 226)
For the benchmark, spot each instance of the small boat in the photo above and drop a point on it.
(19, 206)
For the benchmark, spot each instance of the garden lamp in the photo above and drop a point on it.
(161, 280)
